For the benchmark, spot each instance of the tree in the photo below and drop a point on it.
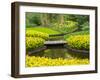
(44, 19)
(61, 19)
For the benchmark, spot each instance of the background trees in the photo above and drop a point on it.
(49, 20)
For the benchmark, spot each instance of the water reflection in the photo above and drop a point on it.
(59, 53)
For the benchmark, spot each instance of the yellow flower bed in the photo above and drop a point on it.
(34, 42)
(33, 33)
(32, 61)
(79, 42)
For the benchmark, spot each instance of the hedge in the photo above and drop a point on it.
(32, 33)
(79, 42)
(33, 43)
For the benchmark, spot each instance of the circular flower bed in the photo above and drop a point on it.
(32, 33)
(80, 42)
(34, 43)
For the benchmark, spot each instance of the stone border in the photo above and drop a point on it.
(37, 50)
(78, 51)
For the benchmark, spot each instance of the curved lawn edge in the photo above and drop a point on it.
(61, 34)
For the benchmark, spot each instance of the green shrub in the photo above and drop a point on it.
(32, 19)
(33, 43)
(32, 61)
(79, 42)
(68, 26)
(85, 26)
(32, 33)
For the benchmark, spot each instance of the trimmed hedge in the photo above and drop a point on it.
(32, 61)
(79, 42)
(32, 33)
(33, 43)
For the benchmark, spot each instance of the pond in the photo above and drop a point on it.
(59, 52)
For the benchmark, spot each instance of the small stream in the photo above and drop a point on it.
(59, 51)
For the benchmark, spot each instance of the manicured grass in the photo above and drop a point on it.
(32, 61)
(44, 29)
(76, 33)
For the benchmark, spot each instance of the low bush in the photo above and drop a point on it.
(68, 26)
(85, 26)
(79, 42)
(32, 33)
(32, 61)
(33, 43)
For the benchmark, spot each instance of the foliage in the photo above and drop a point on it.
(68, 26)
(33, 43)
(33, 33)
(46, 19)
(86, 32)
(85, 26)
(32, 61)
(79, 42)
(32, 19)
(44, 30)
(81, 19)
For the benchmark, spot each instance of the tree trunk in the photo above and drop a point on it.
(61, 19)
(44, 19)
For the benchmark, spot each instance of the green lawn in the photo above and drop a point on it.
(43, 29)
(76, 33)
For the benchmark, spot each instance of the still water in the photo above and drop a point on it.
(59, 53)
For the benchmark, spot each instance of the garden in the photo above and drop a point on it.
(57, 39)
